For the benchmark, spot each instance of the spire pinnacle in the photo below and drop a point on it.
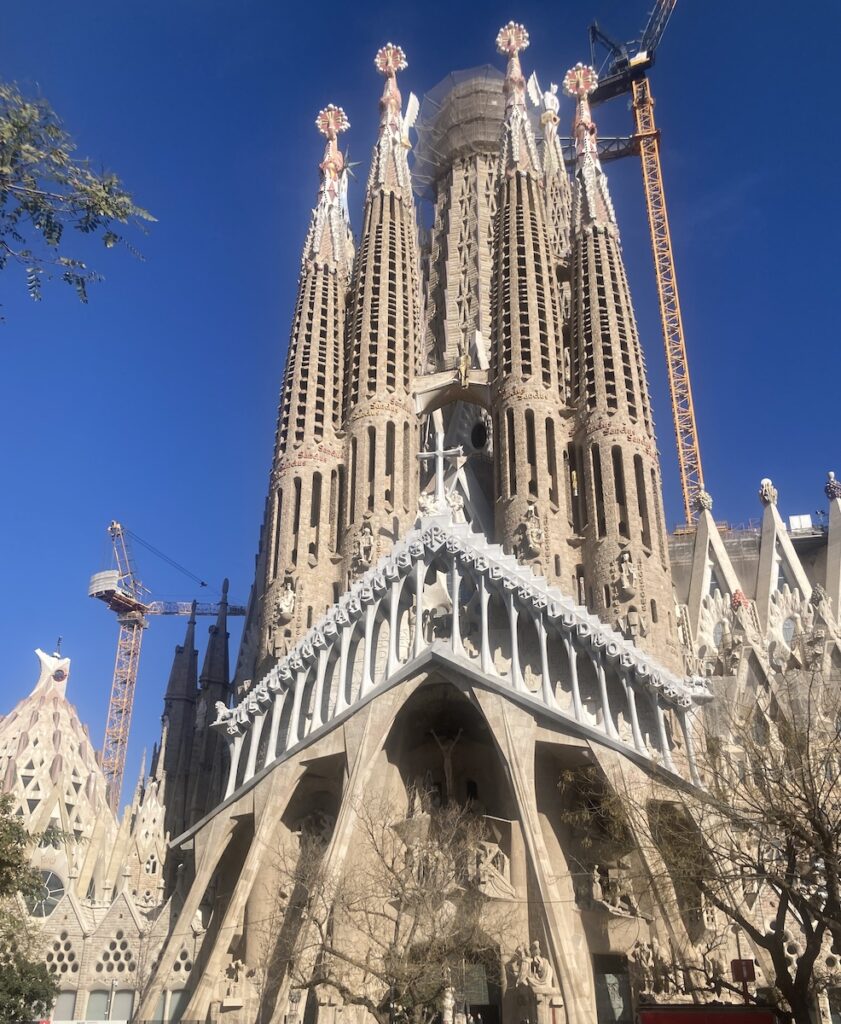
(389, 60)
(329, 237)
(579, 83)
(511, 40)
(389, 167)
(518, 149)
(330, 122)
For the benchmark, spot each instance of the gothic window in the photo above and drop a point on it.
(642, 503)
(658, 515)
(407, 464)
(389, 466)
(552, 460)
(372, 464)
(296, 520)
(619, 490)
(61, 958)
(353, 475)
(117, 957)
(44, 901)
(531, 452)
(654, 616)
(512, 452)
(598, 487)
(315, 517)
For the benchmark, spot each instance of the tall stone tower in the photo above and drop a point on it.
(382, 343)
(527, 364)
(302, 567)
(616, 491)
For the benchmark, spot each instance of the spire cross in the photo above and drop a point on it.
(439, 454)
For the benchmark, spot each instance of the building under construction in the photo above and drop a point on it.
(464, 594)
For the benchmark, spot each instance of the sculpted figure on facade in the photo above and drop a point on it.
(455, 501)
(533, 533)
(285, 602)
(535, 981)
(628, 581)
(363, 549)
(767, 492)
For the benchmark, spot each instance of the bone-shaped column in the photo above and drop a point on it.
(455, 587)
(367, 682)
(609, 726)
(316, 722)
(486, 660)
(513, 614)
(236, 751)
(572, 658)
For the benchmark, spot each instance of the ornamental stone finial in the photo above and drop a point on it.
(390, 59)
(331, 121)
(704, 501)
(512, 39)
(767, 492)
(832, 488)
(580, 81)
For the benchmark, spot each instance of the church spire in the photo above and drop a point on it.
(518, 149)
(618, 499)
(182, 675)
(329, 241)
(527, 369)
(593, 203)
(298, 567)
(382, 341)
(215, 671)
(389, 167)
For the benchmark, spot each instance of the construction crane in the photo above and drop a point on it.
(120, 588)
(624, 71)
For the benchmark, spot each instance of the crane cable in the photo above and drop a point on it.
(165, 558)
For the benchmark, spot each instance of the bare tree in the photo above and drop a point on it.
(392, 930)
(754, 856)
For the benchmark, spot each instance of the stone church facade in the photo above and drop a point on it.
(463, 575)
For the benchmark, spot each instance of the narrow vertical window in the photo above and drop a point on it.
(277, 523)
(389, 466)
(552, 460)
(658, 515)
(531, 452)
(315, 517)
(353, 474)
(598, 487)
(333, 508)
(340, 507)
(642, 501)
(372, 466)
(619, 490)
(296, 521)
(512, 452)
(407, 465)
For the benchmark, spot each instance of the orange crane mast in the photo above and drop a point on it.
(120, 588)
(625, 72)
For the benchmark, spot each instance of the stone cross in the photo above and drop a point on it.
(439, 454)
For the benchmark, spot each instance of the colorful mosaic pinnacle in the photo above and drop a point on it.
(512, 39)
(331, 121)
(390, 59)
(580, 81)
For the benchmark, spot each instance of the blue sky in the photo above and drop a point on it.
(156, 403)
